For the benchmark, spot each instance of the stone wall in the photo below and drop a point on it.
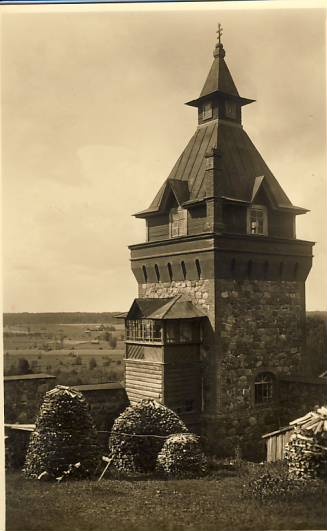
(261, 328)
(22, 399)
(254, 326)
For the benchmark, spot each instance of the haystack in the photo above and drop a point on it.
(64, 441)
(139, 433)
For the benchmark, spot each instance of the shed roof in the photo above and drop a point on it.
(20, 427)
(166, 308)
(98, 387)
(36, 376)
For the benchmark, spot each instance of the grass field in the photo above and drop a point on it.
(214, 504)
(74, 353)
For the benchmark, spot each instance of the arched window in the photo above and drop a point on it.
(264, 388)
(183, 270)
(198, 268)
(281, 270)
(265, 270)
(257, 220)
(156, 268)
(170, 272)
(145, 274)
(250, 268)
(296, 271)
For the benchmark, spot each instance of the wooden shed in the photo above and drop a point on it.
(276, 442)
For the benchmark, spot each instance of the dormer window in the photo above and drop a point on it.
(177, 222)
(206, 111)
(257, 220)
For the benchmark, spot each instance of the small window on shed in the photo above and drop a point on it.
(263, 388)
(257, 220)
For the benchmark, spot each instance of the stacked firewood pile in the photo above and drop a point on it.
(138, 435)
(306, 451)
(181, 456)
(64, 441)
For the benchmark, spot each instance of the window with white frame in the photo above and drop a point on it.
(177, 222)
(263, 388)
(257, 220)
(206, 111)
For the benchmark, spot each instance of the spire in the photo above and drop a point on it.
(219, 49)
(219, 79)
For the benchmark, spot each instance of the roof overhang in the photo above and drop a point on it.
(177, 187)
(217, 94)
(164, 309)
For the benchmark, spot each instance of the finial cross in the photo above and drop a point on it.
(219, 32)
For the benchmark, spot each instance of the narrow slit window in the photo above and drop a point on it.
(156, 268)
(145, 274)
(170, 272)
(250, 268)
(281, 270)
(183, 270)
(233, 265)
(296, 271)
(265, 270)
(198, 268)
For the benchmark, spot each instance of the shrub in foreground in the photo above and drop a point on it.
(64, 441)
(181, 456)
(272, 482)
(139, 433)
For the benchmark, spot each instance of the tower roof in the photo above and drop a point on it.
(242, 170)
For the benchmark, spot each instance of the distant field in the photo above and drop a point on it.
(75, 353)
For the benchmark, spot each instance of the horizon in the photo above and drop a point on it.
(93, 122)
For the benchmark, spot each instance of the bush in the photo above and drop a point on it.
(64, 436)
(139, 454)
(272, 482)
(181, 456)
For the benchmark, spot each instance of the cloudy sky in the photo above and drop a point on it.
(93, 120)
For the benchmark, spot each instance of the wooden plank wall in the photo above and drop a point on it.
(143, 380)
(276, 446)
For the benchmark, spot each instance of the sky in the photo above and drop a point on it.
(93, 119)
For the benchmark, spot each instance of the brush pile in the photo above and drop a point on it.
(181, 456)
(306, 451)
(138, 435)
(64, 438)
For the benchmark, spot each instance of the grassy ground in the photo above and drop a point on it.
(214, 504)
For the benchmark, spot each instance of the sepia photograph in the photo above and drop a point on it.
(164, 288)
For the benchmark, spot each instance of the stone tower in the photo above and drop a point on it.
(222, 253)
